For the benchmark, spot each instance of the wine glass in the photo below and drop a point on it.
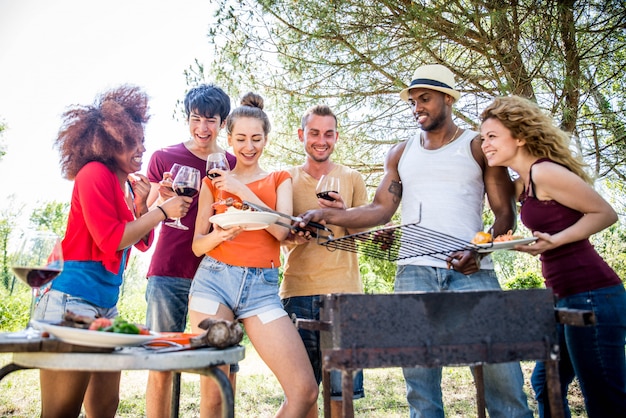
(174, 170)
(325, 185)
(38, 260)
(216, 160)
(186, 183)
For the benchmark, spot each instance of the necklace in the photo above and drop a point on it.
(445, 143)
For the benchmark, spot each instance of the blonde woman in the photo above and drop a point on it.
(563, 211)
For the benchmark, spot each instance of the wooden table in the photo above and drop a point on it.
(50, 353)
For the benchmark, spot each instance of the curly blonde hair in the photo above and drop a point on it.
(113, 124)
(527, 121)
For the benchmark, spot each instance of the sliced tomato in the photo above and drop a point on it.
(99, 324)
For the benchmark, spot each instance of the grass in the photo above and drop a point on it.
(259, 395)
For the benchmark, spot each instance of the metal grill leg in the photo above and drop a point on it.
(347, 391)
(326, 391)
(175, 406)
(553, 386)
(479, 382)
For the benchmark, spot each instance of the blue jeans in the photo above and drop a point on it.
(167, 299)
(595, 355)
(504, 382)
(308, 307)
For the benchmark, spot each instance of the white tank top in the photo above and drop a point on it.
(448, 182)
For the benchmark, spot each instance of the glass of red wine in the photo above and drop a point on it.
(37, 261)
(325, 185)
(186, 183)
(216, 160)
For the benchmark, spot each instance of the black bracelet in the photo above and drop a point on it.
(163, 210)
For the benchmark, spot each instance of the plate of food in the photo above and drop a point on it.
(504, 245)
(486, 243)
(248, 220)
(90, 338)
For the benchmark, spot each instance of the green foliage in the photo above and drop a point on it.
(8, 223)
(51, 217)
(530, 280)
(611, 244)
(132, 304)
(356, 56)
(14, 308)
(377, 275)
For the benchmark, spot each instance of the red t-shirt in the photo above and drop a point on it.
(173, 256)
(98, 215)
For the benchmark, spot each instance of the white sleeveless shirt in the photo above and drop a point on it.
(448, 182)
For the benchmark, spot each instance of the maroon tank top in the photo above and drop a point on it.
(571, 268)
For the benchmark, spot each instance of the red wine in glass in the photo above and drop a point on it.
(36, 276)
(186, 183)
(326, 185)
(216, 160)
(325, 195)
(38, 260)
(186, 191)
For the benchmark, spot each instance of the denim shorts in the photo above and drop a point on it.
(167, 299)
(246, 291)
(308, 307)
(53, 305)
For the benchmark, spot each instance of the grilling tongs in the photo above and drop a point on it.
(312, 227)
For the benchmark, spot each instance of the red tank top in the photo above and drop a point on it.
(571, 268)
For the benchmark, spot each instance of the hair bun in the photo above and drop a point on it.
(252, 100)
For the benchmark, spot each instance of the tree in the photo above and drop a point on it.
(52, 216)
(8, 221)
(356, 55)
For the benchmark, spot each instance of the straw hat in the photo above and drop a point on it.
(434, 77)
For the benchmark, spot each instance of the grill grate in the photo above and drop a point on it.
(399, 242)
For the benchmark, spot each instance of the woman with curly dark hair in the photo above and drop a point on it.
(101, 148)
(563, 210)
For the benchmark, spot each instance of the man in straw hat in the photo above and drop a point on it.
(442, 176)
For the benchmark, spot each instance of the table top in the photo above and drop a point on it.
(50, 353)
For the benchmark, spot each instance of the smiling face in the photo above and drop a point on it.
(430, 107)
(203, 130)
(130, 160)
(247, 139)
(319, 137)
(498, 145)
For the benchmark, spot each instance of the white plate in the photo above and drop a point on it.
(90, 338)
(504, 245)
(248, 220)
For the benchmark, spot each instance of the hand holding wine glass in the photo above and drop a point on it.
(219, 161)
(216, 160)
(325, 185)
(186, 183)
(174, 170)
(37, 261)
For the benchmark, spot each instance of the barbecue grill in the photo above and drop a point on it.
(399, 242)
(419, 329)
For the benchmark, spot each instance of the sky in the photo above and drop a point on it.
(57, 53)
